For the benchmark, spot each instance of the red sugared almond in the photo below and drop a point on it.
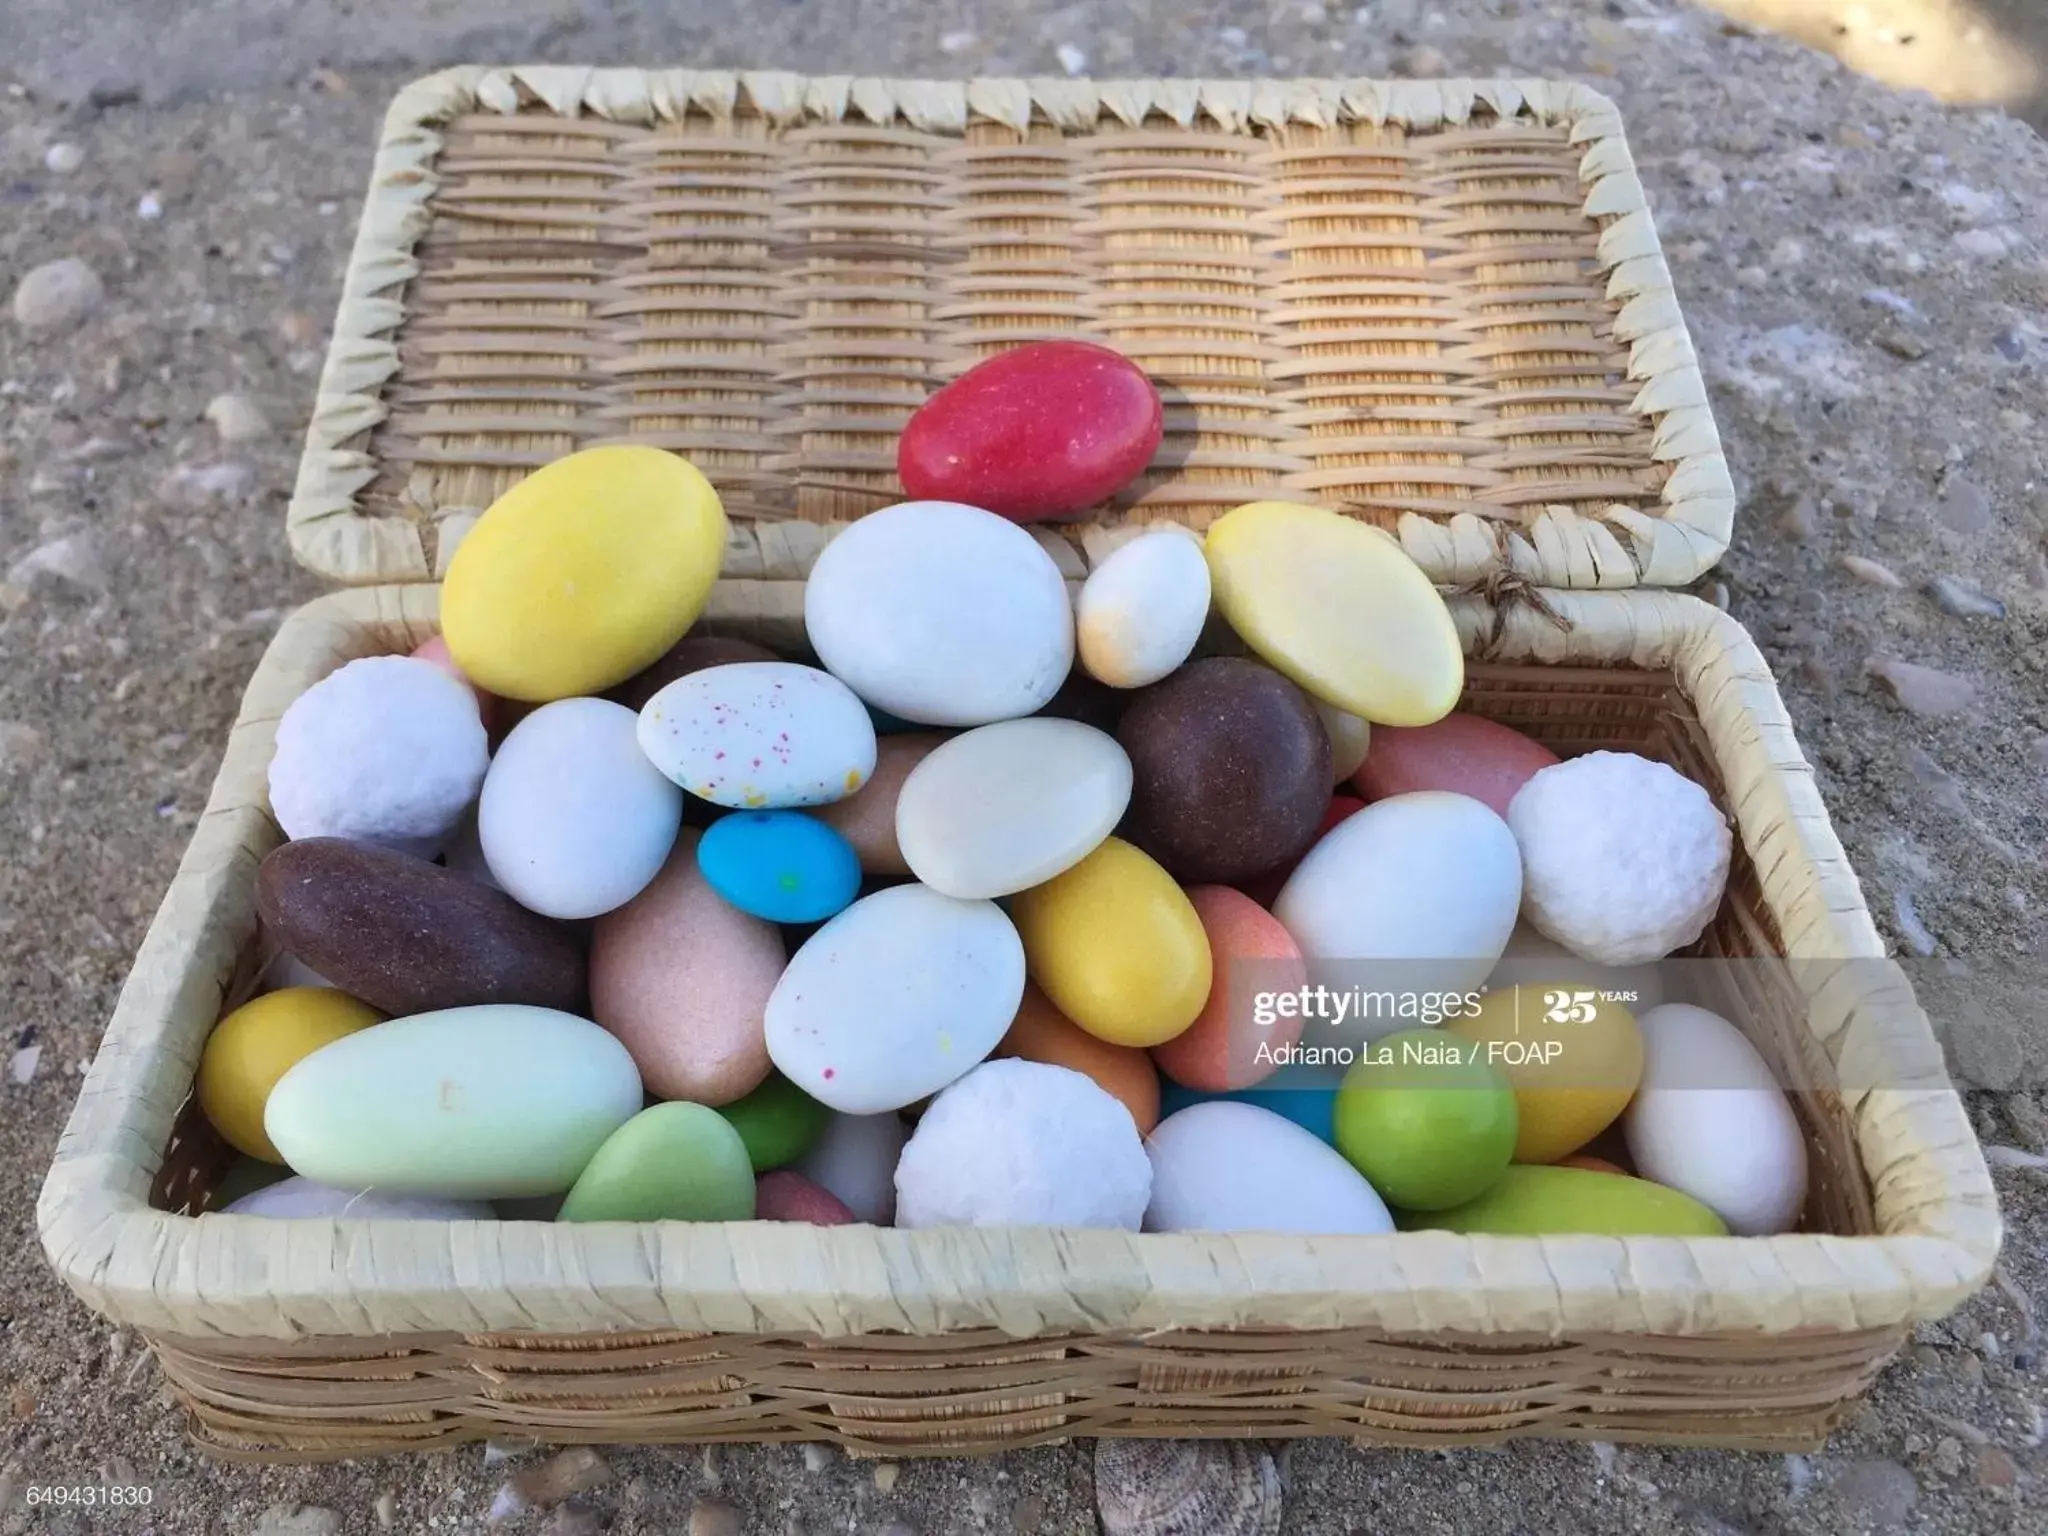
(1045, 430)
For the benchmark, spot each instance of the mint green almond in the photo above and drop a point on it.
(778, 1121)
(673, 1162)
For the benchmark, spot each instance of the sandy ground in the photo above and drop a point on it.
(1864, 275)
(1978, 51)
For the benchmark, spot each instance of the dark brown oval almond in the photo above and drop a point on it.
(410, 937)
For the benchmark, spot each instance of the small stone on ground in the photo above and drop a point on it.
(72, 561)
(1911, 928)
(57, 294)
(1958, 598)
(1872, 571)
(299, 1520)
(1922, 690)
(712, 1517)
(1965, 507)
(576, 1470)
(1995, 1467)
(20, 745)
(576, 1517)
(1876, 1495)
(237, 418)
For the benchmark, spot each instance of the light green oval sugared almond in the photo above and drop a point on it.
(1545, 1201)
(672, 1162)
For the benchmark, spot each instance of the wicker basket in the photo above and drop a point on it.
(541, 267)
(1438, 304)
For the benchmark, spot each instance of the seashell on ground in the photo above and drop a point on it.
(1186, 1488)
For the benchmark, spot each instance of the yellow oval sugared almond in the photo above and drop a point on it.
(583, 573)
(257, 1044)
(1337, 606)
(1117, 946)
(1572, 1057)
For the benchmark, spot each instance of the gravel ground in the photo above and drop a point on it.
(1864, 274)
(1961, 50)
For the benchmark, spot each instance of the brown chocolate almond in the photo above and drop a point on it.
(692, 653)
(410, 937)
(1230, 770)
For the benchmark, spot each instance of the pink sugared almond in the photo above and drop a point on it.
(786, 1195)
(1219, 1052)
(1464, 754)
(434, 651)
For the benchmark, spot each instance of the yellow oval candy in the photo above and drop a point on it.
(583, 573)
(1339, 607)
(1572, 1058)
(257, 1044)
(1117, 946)
(1539, 1202)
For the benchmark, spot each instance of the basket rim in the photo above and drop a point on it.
(1554, 546)
(232, 1276)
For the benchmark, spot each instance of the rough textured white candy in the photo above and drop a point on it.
(385, 750)
(1023, 1144)
(302, 1197)
(942, 614)
(1533, 958)
(1623, 859)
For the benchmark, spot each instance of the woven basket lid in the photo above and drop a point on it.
(1436, 305)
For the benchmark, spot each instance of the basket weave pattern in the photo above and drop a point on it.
(975, 1392)
(1440, 306)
